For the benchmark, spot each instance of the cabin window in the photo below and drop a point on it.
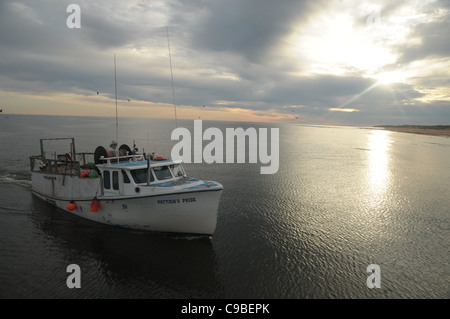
(162, 172)
(140, 175)
(115, 178)
(126, 179)
(106, 180)
(177, 170)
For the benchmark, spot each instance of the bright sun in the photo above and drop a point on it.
(387, 78)
(339, 46)
(340, 41)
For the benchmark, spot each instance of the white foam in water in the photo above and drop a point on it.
(10, 178)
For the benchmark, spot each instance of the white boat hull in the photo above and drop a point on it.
(189, 209)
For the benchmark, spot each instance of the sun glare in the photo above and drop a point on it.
(344, 40)
(387, 78)
(339, 46)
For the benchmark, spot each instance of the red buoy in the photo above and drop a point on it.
(71, 205)
(84, 174)
(94, 205)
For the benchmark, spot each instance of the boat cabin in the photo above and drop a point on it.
(127, 177)
(121, 172)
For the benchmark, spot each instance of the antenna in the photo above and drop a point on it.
(115, 86)
(171, 75)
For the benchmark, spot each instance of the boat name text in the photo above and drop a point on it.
(176, 201)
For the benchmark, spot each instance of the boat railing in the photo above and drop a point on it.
(124, 158)
(54, 166)
(62, 164)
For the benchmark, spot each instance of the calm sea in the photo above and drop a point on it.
(344, 198)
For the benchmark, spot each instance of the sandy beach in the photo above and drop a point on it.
(438, 130)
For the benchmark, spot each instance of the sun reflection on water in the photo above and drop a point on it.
(378, 172)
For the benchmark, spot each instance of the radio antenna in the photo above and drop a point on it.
(171, 76)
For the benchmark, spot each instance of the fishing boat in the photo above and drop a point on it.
(127, 189)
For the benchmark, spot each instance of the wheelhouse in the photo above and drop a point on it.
(115, 173)
(129, 177)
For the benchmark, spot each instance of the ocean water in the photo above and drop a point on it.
(343, 198)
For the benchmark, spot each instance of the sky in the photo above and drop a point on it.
(340, 62)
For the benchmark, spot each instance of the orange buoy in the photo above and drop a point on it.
(71, 205)
(94, 205)
(84, 174)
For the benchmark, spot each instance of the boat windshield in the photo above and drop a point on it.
(177, 170)
(162, 172)
(140, 175)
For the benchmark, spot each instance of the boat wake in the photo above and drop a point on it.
(16, 178)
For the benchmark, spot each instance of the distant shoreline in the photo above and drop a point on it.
(435, 130)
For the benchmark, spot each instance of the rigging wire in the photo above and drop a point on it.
(171, 76)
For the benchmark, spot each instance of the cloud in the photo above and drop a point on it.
(277, 59)
(432, 40)
(249, 29)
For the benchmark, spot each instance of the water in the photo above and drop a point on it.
(343, 198)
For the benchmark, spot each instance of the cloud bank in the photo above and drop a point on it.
(341, 62)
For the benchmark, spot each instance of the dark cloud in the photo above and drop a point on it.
(435, 40)
(249, 28)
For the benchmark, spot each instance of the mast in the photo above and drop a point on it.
(115, 87)
(148, 170)
(171, 76)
